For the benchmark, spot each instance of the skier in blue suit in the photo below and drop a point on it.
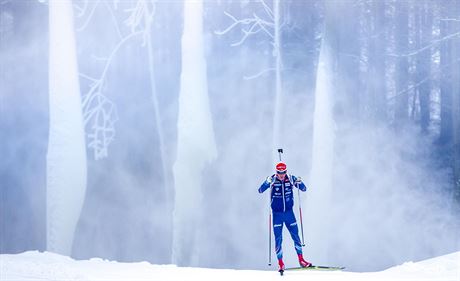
(282, 201)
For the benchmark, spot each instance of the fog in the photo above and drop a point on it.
(180, 135)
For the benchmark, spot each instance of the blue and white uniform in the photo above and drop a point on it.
(282, 201)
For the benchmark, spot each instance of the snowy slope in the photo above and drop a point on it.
(49, 266)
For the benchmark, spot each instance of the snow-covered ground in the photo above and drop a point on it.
(49, 266)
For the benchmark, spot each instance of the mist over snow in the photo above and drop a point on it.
(380, 206)
(181, 124)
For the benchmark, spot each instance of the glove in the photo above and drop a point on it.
(269, 180)
(298, 180)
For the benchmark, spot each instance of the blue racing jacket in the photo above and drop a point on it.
(282, 198)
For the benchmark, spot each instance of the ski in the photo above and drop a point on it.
(316, 267)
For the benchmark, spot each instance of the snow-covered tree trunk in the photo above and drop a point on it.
(66, 159)
(318, 199)
(323, 150)
(195, 144)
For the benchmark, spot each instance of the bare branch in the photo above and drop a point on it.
(90, 16)
(102, 114)
(252, 26)
(261, 21)
(81, 10)
(141, 18)
(268, 10)
(235, 23)
(114, 19)
(114, 51)
(95, 57)
(458, 20)
(135, 18)
(246, 35)
(256, 24)
(434, 42)
(259, 74)
(148, 21)
(404, 92)
(99, 113)
(117, 47)
(88, 77)
(262, 25)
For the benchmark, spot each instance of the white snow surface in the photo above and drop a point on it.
(35, 265)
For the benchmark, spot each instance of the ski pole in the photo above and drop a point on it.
(300, 213)
(280, 150)
(270, 239)
(270, 227)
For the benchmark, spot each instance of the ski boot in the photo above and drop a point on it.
(302, 262)
(281, 266)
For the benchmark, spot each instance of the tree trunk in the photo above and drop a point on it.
(23, 125)
(338, 106)
(402, 64)
(423, 60)
(445, 136)
(162, 225)
(66, 159)
(348, 102)
(377, 103)
(196, 146)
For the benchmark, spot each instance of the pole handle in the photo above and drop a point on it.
(280, 151)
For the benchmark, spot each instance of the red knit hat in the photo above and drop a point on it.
(281, 168)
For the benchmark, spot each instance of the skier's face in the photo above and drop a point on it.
(280, 176)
